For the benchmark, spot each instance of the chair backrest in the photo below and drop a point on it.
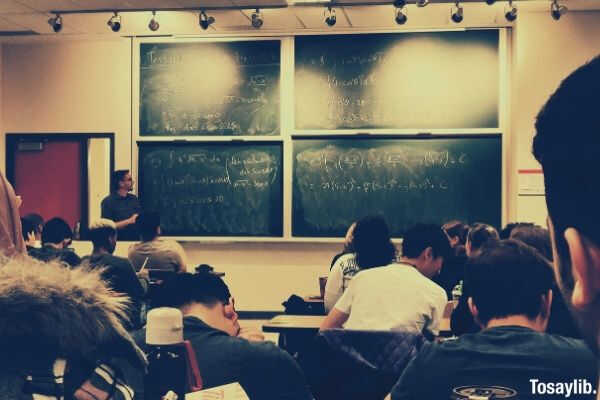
(193, 372)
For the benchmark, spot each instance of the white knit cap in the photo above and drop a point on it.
(164, 326)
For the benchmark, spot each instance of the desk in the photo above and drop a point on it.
(293, 323)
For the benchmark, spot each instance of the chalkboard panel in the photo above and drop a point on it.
(407, 180)
(413, 80)
(213, 188)
(225, 88)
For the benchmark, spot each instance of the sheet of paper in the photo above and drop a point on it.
(232, 391)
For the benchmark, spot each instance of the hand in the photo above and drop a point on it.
(251, 334)
(132, 219)
(144, 274)
(30, 238)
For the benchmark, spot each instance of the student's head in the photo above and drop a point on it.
(103, 234)
(566, 145)
(478, 235)
(38, 222)
(122, 180)
(426, 246)
(508, 278)
(457, 232)
(372, 243)
(534, 236)
(505, 232)
(57, 232)
(148, 225)
(28, 230)
(203, 295)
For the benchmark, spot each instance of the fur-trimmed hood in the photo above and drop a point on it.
(50, 311)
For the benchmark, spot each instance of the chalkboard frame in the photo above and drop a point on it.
(229, 143)
(379, 137)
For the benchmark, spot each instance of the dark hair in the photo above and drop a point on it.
(118, 176)
(507, 278)
(147, 223)
(566, 144)
(536, 237)
(56, 230)
(185, 288)
(36, 220)
(422, 236)
(372, 243)
(457, 229)
(99, 236)
(479, 234)
(27, 227)
(505, 232)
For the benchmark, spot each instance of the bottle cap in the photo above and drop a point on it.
(164, 327)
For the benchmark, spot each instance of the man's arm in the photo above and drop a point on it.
(335, 319)
(126, 222)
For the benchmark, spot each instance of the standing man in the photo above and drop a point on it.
(122, 206)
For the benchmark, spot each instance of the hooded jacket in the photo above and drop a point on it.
(50, 313)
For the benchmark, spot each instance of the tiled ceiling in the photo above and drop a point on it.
(32, 15)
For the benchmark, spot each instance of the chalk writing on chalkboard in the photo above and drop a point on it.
(211, 189)
(406, 180)
(222, 88)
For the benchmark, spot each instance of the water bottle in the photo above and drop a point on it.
(457, 291)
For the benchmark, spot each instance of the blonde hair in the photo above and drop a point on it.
(103, 223)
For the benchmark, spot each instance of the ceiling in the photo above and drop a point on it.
(18, 17)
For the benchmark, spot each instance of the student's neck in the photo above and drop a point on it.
(517, 320)
(122, 192)
(209, 315)
(409, 261)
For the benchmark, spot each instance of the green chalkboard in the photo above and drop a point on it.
(407, 179)
(213, 188)
(418, 80)
(220, 88)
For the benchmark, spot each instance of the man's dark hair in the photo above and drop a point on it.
(536, 237)
(118, 176)
(480, 234)
(27, 227)
(422, 236)
(566, 144)
(507, 278)
(37, 220)
(372, 243)
(185, 288)
(55, 231)
(147, 224)
(504, 233)
(100, 232)
(457, 229)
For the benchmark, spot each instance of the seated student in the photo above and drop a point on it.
(511, 299)
(38, 222)
(60, 334)
(162, 254)
(210, 323)
(56, 238)
(453, 270)
(372, 248)
(399, 296)
(479, 234)
(117, 271)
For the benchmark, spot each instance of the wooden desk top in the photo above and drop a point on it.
(288, 323)
(313, 299)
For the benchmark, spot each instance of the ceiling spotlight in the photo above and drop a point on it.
(257, 19)
(205, 21)
(115, 22)
(401, 17)
(556, 10)
(457, 14)
(153, 25)
(510, 12)
(330, 18)
(422, 3)
(56, 23)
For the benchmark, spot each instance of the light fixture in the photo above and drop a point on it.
(422, 3)
(56, 23)
(115, 22)
(257, 19)
(330, 18)
(153, 25)
(205, 21)
(401, 17)
(457, 14)
(557, 11)
(510, 12)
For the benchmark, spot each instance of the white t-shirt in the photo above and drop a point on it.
(396, 297)
(339, 277)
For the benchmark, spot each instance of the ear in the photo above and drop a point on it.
(427, 254)
(229, 310)
(585, 267)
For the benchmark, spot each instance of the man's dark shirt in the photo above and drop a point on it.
(118, 208)
(121, 278)
(47, 253)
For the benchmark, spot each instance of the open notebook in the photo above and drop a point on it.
(232, 391)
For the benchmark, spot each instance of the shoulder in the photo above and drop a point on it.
(108, 199)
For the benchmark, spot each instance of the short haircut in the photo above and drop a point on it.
(566, 144)
(480, 234)
(37, 220)
(457, 229)
(56, 230)
(508, 278)
(505, 232)
(422, 236)
(372, 243)
(27, 227)
(118, 176)
(147, 223)
(185, 288)
(100, 231)
(536, 237)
